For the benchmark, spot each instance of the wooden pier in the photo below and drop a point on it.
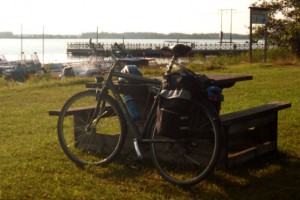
(153, 49)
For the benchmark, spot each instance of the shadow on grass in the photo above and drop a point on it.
(273, 176)
(124, 167)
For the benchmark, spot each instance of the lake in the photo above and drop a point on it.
(55, 50)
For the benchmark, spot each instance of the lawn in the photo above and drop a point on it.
(33, 165)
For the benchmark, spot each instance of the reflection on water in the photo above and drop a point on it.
(55, 50)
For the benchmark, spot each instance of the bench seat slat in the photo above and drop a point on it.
(70, 111)
(241, 115)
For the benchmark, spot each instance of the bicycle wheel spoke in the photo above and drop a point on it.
(91, 141)
(189, 160)
(192, 160)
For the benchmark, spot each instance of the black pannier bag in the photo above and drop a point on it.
(174, 107)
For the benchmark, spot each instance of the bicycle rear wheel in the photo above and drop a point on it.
(99, 143)
(189, 160)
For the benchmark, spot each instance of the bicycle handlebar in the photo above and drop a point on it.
(177, 50)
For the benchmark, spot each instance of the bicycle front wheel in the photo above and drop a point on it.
(189, 160)
(88, 136)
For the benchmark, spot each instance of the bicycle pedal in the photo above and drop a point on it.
(134, 163)
(135, 166)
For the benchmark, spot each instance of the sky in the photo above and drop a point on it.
(118, 16)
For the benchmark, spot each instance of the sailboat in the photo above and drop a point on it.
(4, 64)
(21, 69)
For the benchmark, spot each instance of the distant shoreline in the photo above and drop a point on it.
(126, 35)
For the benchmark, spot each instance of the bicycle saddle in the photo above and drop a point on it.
(177, 49)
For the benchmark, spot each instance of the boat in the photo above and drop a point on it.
(4, 64)
(21, 69)
(94, 66)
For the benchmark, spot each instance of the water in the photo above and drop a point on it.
(55, 50)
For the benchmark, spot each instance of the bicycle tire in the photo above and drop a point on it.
(99, 144)
(189, 160)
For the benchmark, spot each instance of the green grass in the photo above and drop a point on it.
(33, 165)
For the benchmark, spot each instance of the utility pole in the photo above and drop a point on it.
(43, 45)
(221, 34)
(21, 42)
(97, 36)
(231, 25)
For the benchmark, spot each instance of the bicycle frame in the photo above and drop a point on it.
(95, 134)
(109, 85)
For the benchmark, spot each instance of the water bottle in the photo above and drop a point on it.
(215, 94)
(132, 107)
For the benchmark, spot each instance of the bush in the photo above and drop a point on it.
(282, 56)
(278, 55)
(199, 62)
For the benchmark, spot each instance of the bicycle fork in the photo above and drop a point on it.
(100, 111)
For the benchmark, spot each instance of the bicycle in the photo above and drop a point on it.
(96, 135)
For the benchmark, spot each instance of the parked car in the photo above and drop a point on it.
(67, 72)
(3, 68)
(4, 65)
(35, 69)
(17, 73)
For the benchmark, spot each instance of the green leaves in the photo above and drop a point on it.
(284, 23)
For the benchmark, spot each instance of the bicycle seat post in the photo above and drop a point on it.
(170, 65)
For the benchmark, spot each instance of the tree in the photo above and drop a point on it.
(284, 23)
(6, 34)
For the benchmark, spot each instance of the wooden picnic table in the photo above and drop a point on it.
(140, 91)
(222, 80)
(228, 80)
(246, 134)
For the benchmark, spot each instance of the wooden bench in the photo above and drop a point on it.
(250, 133)
(247, 133)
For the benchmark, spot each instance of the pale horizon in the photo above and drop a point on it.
(167, 16)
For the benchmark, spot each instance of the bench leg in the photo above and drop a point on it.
(91, 140)
(248, 139)
(223, 157)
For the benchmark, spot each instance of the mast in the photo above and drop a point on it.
(43, 44)
(21, 41)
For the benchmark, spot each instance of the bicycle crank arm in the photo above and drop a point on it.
(95, 121)
(137, 149)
